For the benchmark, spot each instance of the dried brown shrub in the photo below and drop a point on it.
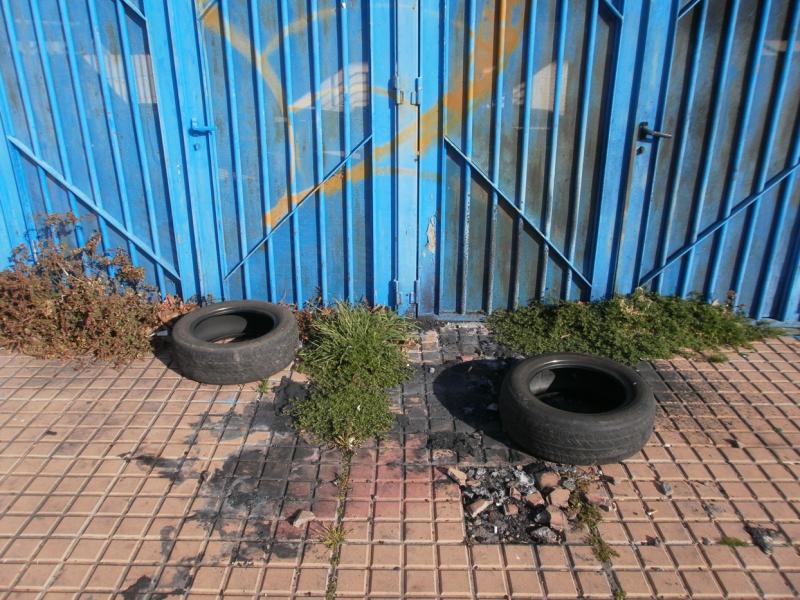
(76, 302)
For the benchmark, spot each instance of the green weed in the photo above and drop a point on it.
(590, 517)
(333, 536)
(732, 542)
(642, 326)
(352, 355)
(263, 386)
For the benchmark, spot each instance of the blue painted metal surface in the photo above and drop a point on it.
(445, 157)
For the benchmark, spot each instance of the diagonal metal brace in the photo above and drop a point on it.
(289, 214)
(742, 206)
(519, 213)
(99, 211)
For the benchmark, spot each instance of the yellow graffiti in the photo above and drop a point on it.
(479, 90)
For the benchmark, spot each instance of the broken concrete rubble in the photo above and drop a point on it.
(547, 479)
(506, 504)
(559, 497)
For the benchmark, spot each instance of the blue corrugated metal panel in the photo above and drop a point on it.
(444, 156)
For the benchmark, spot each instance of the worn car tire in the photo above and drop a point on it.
(262, 340)
(576, 409)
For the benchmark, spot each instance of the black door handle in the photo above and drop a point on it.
(645, 131)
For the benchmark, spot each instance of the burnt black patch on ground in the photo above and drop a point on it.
(176, 470)
(288, 391)
(259, 415)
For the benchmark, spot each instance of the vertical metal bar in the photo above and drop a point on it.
(553, 146)
(497, 142)
(406, 121)
(319, 166)
(441, 211)
(344, 57)
(767, 146)
(261, 119)
(583, 121)
(16, 205)
(466, 191)
(790, 292)
(640, 47)
(522, 170)
(233, 117)
(27, 109)
(216, 200)
(83, 122)
(708, 146)
(55, 112)
(290, 147)
(133, 99)
(676, 166)
(111, 126)
(778, 227)
(740, 137)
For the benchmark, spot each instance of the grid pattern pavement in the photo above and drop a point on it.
(136, 482)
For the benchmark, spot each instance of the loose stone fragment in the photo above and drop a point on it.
(301, 518)
(457, 475)
(547, 479)
(559, 497)
(477, 507)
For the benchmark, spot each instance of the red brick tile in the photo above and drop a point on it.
(420, 555)
(701, 584)
(452, 556)
(454, 582)
(278, 580)
(312, 581)
(594, 584)
(351, 582)
(386, 555)
(419, 582)
(354, 555)
(489, 583)
(559, 584)
(385, 582)
(772, 584)
(736, 584)
(667, 584)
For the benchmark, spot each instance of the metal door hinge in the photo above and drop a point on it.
(416, 95)
(401, 94)
(410, 297)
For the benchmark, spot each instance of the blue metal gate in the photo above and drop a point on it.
(447, 157)
(554, 180)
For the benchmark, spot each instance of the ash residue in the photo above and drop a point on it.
(516, 504)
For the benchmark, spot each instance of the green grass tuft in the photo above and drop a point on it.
(352, 355)
(732, 542)
(642, 326)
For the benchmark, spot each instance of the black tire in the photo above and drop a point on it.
(576, 409)
(262, 339)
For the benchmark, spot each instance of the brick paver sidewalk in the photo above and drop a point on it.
(137, 483)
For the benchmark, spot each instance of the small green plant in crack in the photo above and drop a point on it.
(590, 517)
(263, 386)
(732, 542)
(620, 594)
(333, 536)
